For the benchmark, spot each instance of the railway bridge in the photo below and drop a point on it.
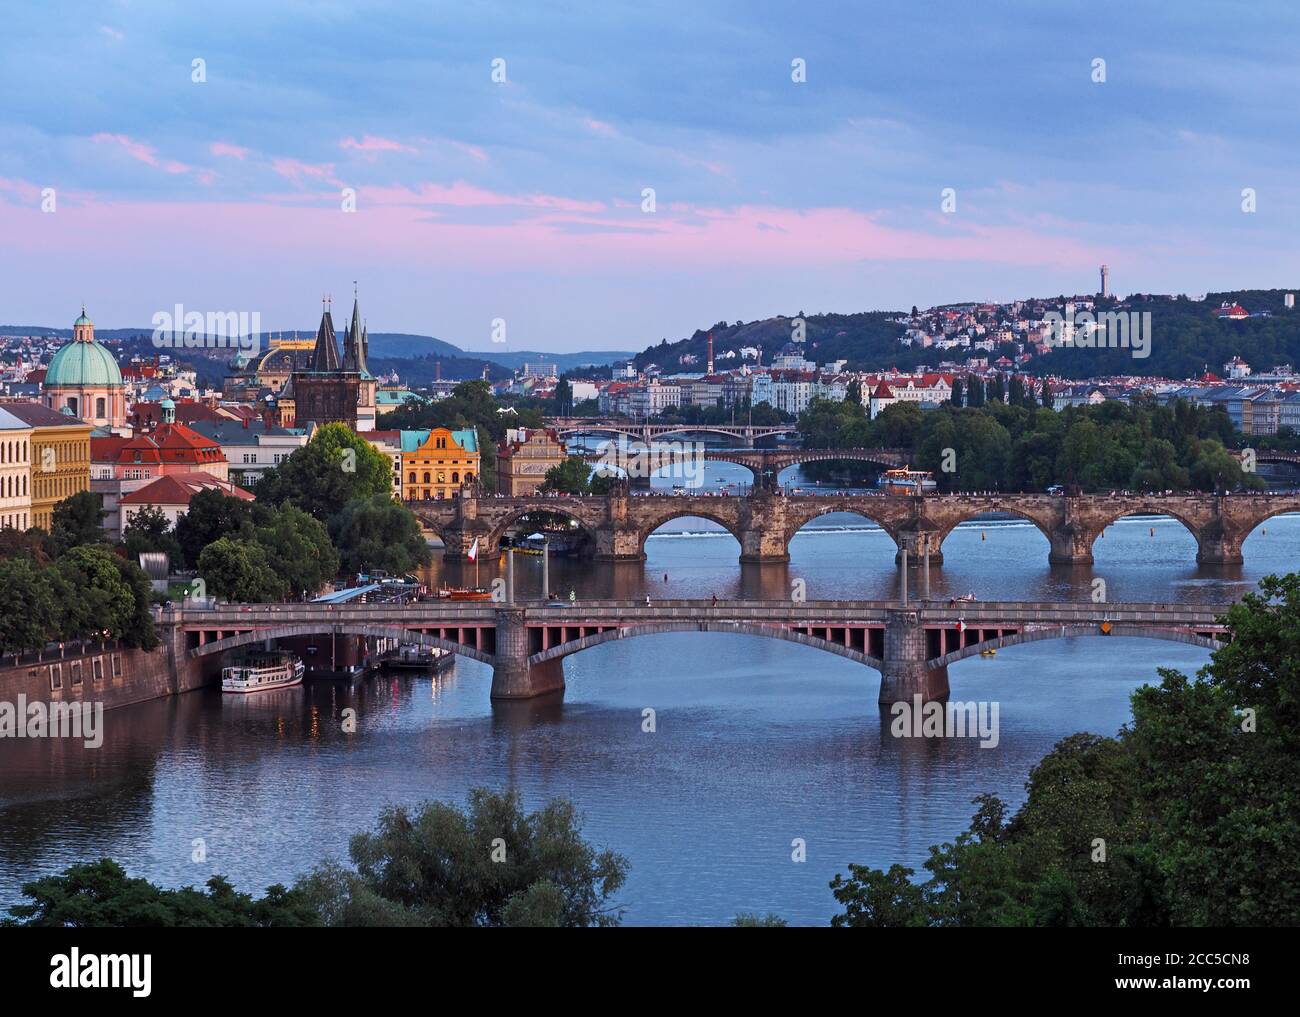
(765, 521)
(911, 645)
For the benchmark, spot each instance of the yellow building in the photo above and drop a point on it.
(60, 457)
(436, 463)
(524, 457)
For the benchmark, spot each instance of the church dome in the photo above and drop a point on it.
(83, 364)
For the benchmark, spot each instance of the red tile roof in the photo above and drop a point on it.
(179, 488)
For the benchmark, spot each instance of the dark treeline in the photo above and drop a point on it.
(1024, 447)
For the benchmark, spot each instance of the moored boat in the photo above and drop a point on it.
(905, 481)
(262, 670)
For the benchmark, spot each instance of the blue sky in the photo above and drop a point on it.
(522, 200)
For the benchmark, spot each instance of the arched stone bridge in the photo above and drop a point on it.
(911, 645)
(764, 522)
(767, 464)
(748, 433)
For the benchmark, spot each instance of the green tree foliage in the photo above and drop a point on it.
(93, 596)
(335, 467)
(490, 864)
(752, 920)
(77, 520)
(29, 614)
(1190, 817)
(101, 895)
(240, 571)
(298, 548)
(573, 476)
(149, 531)
(378, 533)
(213, 514)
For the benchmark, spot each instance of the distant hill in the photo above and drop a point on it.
(1186, 339)
(386, 346)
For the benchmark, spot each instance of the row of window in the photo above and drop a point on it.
(76, 671)
(14, 521)
(10, 486)
(441, 478)
(13, 451)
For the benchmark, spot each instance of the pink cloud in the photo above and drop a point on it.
(292, 169)
(142, 153)
(222, 149)
(600, 127)
(371, 144)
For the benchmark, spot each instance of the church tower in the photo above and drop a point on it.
(356, 342)
(330, 392)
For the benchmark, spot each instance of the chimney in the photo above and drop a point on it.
(710, 371)
(437, 370)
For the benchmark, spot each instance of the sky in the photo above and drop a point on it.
(497, 156)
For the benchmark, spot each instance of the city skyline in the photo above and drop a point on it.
(522, 199)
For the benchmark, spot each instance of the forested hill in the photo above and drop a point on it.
(1186, 339)
(866, 339)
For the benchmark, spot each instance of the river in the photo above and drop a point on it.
(759, 743)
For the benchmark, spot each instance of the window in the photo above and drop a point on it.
(426, 476)
(97, 670)
(100, 408)
(56, 676)
(75, 670)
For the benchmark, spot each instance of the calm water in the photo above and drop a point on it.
(759, 742)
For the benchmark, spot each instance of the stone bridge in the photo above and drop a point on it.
(911, 645)
(764, 522)
(765, 464)
(747, 433)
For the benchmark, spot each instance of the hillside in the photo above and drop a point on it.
(1186, 339)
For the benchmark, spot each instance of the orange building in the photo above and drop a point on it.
(437, 462)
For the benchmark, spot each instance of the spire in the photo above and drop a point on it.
(326, 355)
(354, 342)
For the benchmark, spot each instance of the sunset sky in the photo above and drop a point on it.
(522, 200)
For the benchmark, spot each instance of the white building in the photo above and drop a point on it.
(15, 472)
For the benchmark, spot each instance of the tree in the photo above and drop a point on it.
(334, 468)
(213, 514)
(563, 397)
(377, 533)
(878, 900)
(101, 895)
(572, 476)
(149, 531)
(490, 864)
(240, 571)
(77, 520)
(957, 397)
(298, 549)
(854, 393)
(93, 597)
(29, 616)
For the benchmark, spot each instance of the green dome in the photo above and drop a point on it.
(83, 320)
(82, 364)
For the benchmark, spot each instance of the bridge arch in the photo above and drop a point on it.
(396, 632)
(687, 625)
(558, 508)
(798, 519)
(693, 510)
(1042, 524)
(1035, 635)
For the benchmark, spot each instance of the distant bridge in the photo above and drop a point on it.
(765, 522)
(911, 645)
(747, 433)
(765, 464)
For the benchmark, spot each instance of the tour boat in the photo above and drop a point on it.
(905, 481)
(464, 593)
(265, 669)
(412, 656)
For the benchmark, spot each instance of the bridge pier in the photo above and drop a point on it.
(512, 676)
(903, 672)
(1071, 545)
(618, 543)
(763, 547)
(1216, 545)
(919, 543)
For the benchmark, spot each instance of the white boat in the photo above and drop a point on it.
(265, 669)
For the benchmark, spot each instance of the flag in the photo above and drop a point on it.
(961, 625)
(473, 551)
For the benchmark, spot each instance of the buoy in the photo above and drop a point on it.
(1105, 628)
(1263, 531)
(1153, 531)
(983, 535)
